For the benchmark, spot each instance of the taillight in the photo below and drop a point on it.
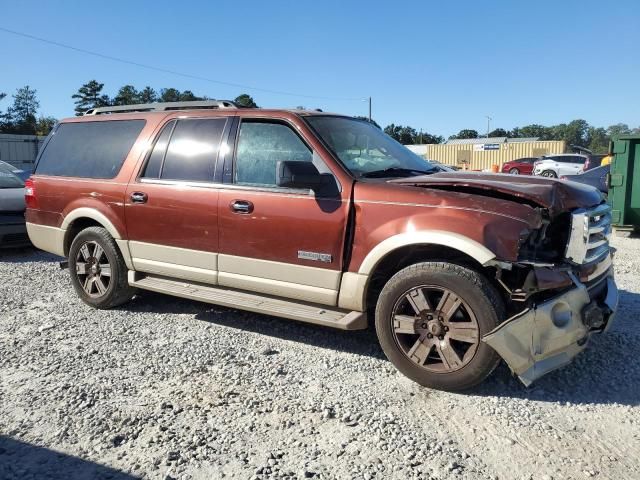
(586, 165)
(30, 194)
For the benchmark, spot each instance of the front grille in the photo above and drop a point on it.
(590, 233)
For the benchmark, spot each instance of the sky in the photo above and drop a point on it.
(437, 66)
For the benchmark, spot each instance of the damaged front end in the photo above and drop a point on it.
(561, 290)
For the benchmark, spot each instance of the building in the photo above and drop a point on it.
(482, 153)
(20, 150)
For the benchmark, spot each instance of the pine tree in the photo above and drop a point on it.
(127, 95)
(90, 96)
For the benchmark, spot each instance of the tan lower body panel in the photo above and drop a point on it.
(49, 239)
(302, 311)
(352, 291)
(298, 282)
(183, 263)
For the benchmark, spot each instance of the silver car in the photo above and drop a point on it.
(13, 232)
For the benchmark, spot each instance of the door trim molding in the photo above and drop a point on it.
(280, 271)
(184, 263)
(299, 282)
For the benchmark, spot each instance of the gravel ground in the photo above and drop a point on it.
(167, 388)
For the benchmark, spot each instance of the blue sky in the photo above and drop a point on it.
(440, 66)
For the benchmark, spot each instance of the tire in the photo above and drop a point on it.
(549, 174)
(514, 171)
(404, 333)
(104, 291)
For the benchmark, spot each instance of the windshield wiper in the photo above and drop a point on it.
(397, 172)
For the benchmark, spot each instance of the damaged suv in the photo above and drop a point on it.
(323, 218)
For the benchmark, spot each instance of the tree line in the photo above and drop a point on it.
(577, 132)
(22, 117)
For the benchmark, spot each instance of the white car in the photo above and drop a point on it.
(557, 165)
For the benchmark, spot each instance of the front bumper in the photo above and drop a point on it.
(549, 335)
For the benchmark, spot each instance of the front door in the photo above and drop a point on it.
(273, 240)
(171, 208)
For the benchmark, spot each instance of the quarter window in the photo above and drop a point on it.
(89, 149)
(260, 146)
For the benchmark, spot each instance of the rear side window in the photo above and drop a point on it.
(186, 150)
(89, 149)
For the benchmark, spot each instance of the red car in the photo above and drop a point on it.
(519, 166)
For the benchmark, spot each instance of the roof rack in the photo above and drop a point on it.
(163, 107)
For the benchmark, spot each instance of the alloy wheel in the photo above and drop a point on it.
(93, 269)
(435, 329)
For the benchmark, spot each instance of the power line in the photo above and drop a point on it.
(165, 70)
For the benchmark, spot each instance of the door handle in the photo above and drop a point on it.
(139, 197)
(241, 206)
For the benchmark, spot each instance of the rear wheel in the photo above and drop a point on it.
(549, 174)
(98, 271)
(514, 171)
(430, 319)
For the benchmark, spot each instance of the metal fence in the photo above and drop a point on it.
(20, 150)
(482, 156)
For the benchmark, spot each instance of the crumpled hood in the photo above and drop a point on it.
(556, 195)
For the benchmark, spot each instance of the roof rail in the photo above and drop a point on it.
(163, 107)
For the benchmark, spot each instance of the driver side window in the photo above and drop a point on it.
(260, 146)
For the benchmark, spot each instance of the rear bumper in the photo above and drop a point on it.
(549, 335)
(13, 235)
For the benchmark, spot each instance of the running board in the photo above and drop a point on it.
(226, 297)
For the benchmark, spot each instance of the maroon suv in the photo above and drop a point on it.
(323, 218)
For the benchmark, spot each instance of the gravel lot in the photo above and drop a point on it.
(167, 388)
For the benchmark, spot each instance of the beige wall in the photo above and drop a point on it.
(480, 160)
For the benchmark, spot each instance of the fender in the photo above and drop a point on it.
(466, 245)
(101, 218)
(92, 213)
(354, 284)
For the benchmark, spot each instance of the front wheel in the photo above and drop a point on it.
(430, 319)
(98, 271)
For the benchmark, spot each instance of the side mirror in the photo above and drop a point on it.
(292, 174)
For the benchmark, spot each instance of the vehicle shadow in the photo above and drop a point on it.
(27, 255)
(19, 460)
(359, 342)
(605, 373)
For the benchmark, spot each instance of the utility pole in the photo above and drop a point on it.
(369, 109)
(488, 124)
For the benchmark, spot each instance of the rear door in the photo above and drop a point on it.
(171, 207)
(278, 241)
(570, 164)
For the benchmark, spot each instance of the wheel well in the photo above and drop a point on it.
(411, 254)
(75, 228)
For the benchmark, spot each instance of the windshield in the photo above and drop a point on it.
(367, 151)
(8, 179)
